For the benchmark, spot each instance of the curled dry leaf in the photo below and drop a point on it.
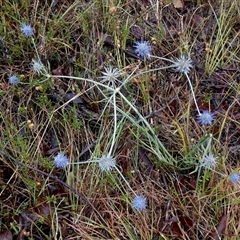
(137, 32)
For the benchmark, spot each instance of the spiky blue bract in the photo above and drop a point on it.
(14, 80)
(139, 203)
(183, 64)
(143, 49)
(206, 118)
(27, 30)
(60, 160)
(234, 178)
(106, 162)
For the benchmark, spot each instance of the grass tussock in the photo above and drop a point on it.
(119, 120)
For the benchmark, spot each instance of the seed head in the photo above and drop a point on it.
(14, 80)
(209, 161)
(143, 49)
(27, 30)
(139, 203)
(183, 64)
(206, 118)
(60, 161)
(38, 67)
(106, 162)
(111, 75)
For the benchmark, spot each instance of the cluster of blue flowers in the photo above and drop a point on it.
(28, 31)
(184, 65)
(106, 163)
(181, 65)
(111, 77)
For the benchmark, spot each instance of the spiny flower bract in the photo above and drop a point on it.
(60, 160)
(106, 162)
(209, 161)
(111, 75)
(234, 178)
(38, 67)
(139, 203)
(14, 80)
(183, 64)
(27, 30)
(143, 49)
(206, 118)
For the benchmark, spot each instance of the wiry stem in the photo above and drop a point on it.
(115, 123)
(124, 179)
(193, 94)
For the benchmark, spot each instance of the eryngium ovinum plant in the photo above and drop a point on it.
(182, 65)
(111, 82)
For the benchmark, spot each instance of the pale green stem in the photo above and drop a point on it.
(84, 79)
(137, 112)
(129, 77)
(124, 179)
(152, 70)
(115, 123)
(85, 162)
(35, 48)
(193, 94)
(204, 154)
(161, 58)
(208, 145)
(142, 119)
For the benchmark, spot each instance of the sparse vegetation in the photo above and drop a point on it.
(119, 120)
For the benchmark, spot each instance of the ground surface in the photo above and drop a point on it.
(150, 127)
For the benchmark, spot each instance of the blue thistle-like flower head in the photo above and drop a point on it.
(106, 162)
(60, 161)
(234, 178)
(14, 80)
(27, 30)
(206, 118)
(143, 49)
(139, 203)
(183, 64)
